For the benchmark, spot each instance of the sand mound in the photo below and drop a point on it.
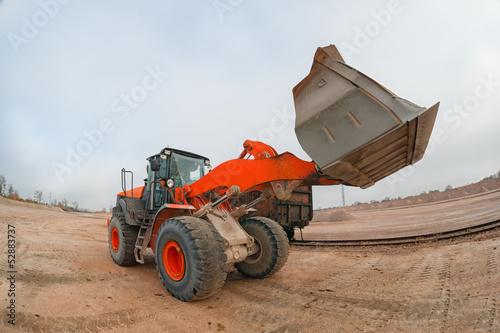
(10, 202)
(332, 215)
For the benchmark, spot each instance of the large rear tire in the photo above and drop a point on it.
(121, 240)
(273, 248)
(190, 258)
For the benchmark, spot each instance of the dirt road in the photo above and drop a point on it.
(407, 221)
(67, 282)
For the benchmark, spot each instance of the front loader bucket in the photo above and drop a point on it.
(354, 129)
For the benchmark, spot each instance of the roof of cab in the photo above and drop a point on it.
(178, 151)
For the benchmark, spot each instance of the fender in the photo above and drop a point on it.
(167, 211)
(123, 206)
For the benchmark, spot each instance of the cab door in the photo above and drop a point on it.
(157, 172)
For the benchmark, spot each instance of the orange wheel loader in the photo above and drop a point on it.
(356, 132)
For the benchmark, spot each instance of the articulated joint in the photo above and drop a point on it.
(244, 209)
(239, 245)
(231, 192)
(284, 191)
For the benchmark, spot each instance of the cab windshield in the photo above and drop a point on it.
(185, 170)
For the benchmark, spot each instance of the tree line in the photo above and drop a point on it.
(8, 191)
(447, 188)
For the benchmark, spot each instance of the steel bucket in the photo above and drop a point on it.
(353, 128)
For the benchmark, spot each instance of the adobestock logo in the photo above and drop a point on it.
(222, 7)
(363, 36)
(456, 117)
(461, 111)
(279, 121)
(30, 27)
(121, 107)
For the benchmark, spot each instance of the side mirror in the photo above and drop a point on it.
(155, 165)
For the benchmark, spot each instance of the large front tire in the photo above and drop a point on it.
(190, 258)
(121, 240)
(273, 248)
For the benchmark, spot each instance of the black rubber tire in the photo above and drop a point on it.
(274, 248)
(203, 249)
(127, 235)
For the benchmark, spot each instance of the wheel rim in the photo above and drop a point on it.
(173, 260)
(115, 239)
(254, 258)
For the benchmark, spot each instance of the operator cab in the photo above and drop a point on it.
(169, 169)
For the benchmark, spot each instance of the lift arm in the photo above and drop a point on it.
(259, 174)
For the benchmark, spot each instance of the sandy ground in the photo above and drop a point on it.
(405, 221)
(67, 282)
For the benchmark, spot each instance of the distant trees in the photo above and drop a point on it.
(8, 191)
(38, 196)
(3, 185)
(12, 193)
(64, 203)
(493, 176)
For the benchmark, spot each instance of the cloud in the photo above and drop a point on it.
(227, 78)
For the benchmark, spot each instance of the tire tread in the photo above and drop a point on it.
(129, 236)
(279, 247)
(207, 248)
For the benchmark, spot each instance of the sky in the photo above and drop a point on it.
(90, 87)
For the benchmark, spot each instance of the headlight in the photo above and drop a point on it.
(170, 183)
